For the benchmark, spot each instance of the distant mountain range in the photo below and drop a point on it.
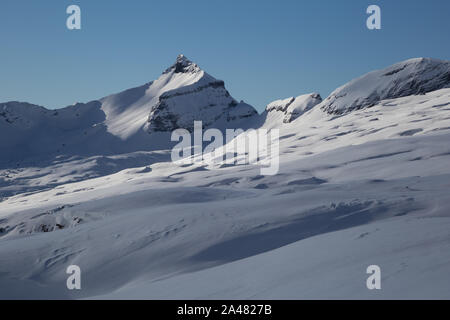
(141, 118)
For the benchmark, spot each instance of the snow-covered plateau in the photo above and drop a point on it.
(364, 179)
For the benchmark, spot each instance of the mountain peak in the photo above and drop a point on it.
(182, 59)
(183, 65)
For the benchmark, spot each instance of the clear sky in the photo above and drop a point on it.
(263, 49)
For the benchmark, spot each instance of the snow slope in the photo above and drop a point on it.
(410, 77)
(324, 267)
(365, 187)
(183, 93)
(138, 119)
(291, 108)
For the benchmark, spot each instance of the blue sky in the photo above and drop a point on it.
(263, 50)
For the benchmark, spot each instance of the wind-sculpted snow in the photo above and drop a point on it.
(355, 183)
(325, 267)
(411, 77)
(353, 189)
(50, 174)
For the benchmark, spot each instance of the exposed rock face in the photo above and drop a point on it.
(142, 118)
(410, 77)
(293, 107)
(183, 65)
(205, 99)
(121, 122)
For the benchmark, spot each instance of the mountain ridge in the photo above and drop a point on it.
(409, 77)
(139, 118)
(142, 118)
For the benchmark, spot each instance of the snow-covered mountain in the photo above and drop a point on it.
(287, 110)
(367, 186)
(201, 97)
(138, 119)
(410, 77)
(182, 94)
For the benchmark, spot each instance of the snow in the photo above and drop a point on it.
(293, 107)
(358, 188)
(410, 77)
(137, 119)
(323, 267)
(127, 112)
